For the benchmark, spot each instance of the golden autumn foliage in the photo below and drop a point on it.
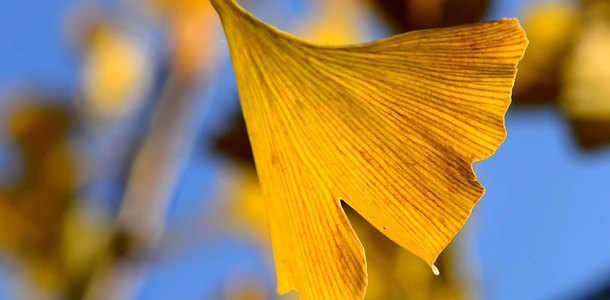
(46, 231)
(390, 127)
(33, 209)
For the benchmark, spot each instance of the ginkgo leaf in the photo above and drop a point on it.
(390, 127)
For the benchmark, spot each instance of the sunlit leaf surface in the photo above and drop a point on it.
(393, 273)
(390, 127)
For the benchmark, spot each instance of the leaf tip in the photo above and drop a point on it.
(435, 270)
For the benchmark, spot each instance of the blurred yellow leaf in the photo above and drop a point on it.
(117, 72)
(336, 22)
(567, 62)
(246, 210)
(551, 31)
(86, 237)
(32, 210)
(191, 28)
(390, 127)
(586, 93)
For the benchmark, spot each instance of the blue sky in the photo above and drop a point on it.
(541, 230)
(33, 46)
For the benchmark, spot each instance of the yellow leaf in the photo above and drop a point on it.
(551, 30)
(116, 72)
(191, 29)
(336, 21)
(390, 127)
(586, 90)
(393, 273)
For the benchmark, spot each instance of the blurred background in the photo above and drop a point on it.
(126, 172)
